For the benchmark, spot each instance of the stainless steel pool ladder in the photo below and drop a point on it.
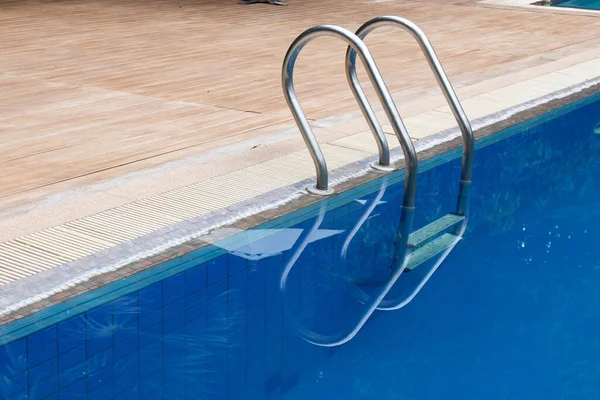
(435, 238)
(438, 237)
(322, 184)
(372, 302)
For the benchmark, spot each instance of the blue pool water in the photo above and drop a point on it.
(587, 4)
(512, 313)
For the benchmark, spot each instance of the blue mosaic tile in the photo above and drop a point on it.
(72, 357)
(99, 317)
(174, 348)
(197, 388)
(173, 323)
(216, 383)
(174, 376)
(174, 391)
(72, 374)
(235, 264)
(273, 329)
(277, 260)
(19, 396)
(99, 378)
(12, 350)
(272, 385)
(216, 270)
(195, 279)
(132, 393)
(173, 288)
(216, 356)
(43, 389)
(103, 393)
(41, 372)
(157, 394)
(195, 375)
(126, 327)
(236, 364)
(150, 298)
(14, 384)
(237, 279)
(256, 281)
(151, 386)
(151, 350)
(195, 298)
(99, 329)
(151, 359)
(125, 347)
(13, 366)
(124, 367)
(256, 267)
(216, 289)
(126, 380)
(42, 338)
(256, 339)
(126, 305)
(196, 311)
(152, 334)
(151, 319)
(76, 391)
(255, 378)
(99, 361)
(71, 341)
(174, 308)
(196, 321)
(97, 343)
(42, 354)
(71, 326)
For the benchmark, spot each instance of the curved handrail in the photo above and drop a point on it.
(397, 303)
(459, 115)
(373, 301)
(443, 81)
(400, 258)
(322, 185)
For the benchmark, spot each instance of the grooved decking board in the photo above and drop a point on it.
(92, 90)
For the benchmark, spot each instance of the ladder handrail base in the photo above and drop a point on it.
(320, 192)
(382, 168)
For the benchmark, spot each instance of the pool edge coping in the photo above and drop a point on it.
(144, 271)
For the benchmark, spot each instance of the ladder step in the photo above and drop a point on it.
(421, 236)
(422, 254)
(419, 256)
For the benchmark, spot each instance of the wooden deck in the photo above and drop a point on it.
(94, 89)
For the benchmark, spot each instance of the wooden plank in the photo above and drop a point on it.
(96, 89)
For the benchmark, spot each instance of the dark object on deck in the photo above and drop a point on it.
(272, 2)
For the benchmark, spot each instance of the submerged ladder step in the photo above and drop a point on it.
(424, 235)
(422, 254)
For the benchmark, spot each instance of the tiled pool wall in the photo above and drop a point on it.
(214, 331)
(217, 329)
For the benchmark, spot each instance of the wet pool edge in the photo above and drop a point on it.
(109, 286)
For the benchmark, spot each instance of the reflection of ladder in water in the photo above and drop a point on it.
(410, 249)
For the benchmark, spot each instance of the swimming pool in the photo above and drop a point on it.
(512, 312)
(586, 4)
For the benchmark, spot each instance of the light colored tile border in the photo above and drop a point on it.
(41, 264)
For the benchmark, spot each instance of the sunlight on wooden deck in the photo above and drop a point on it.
(94, 89)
